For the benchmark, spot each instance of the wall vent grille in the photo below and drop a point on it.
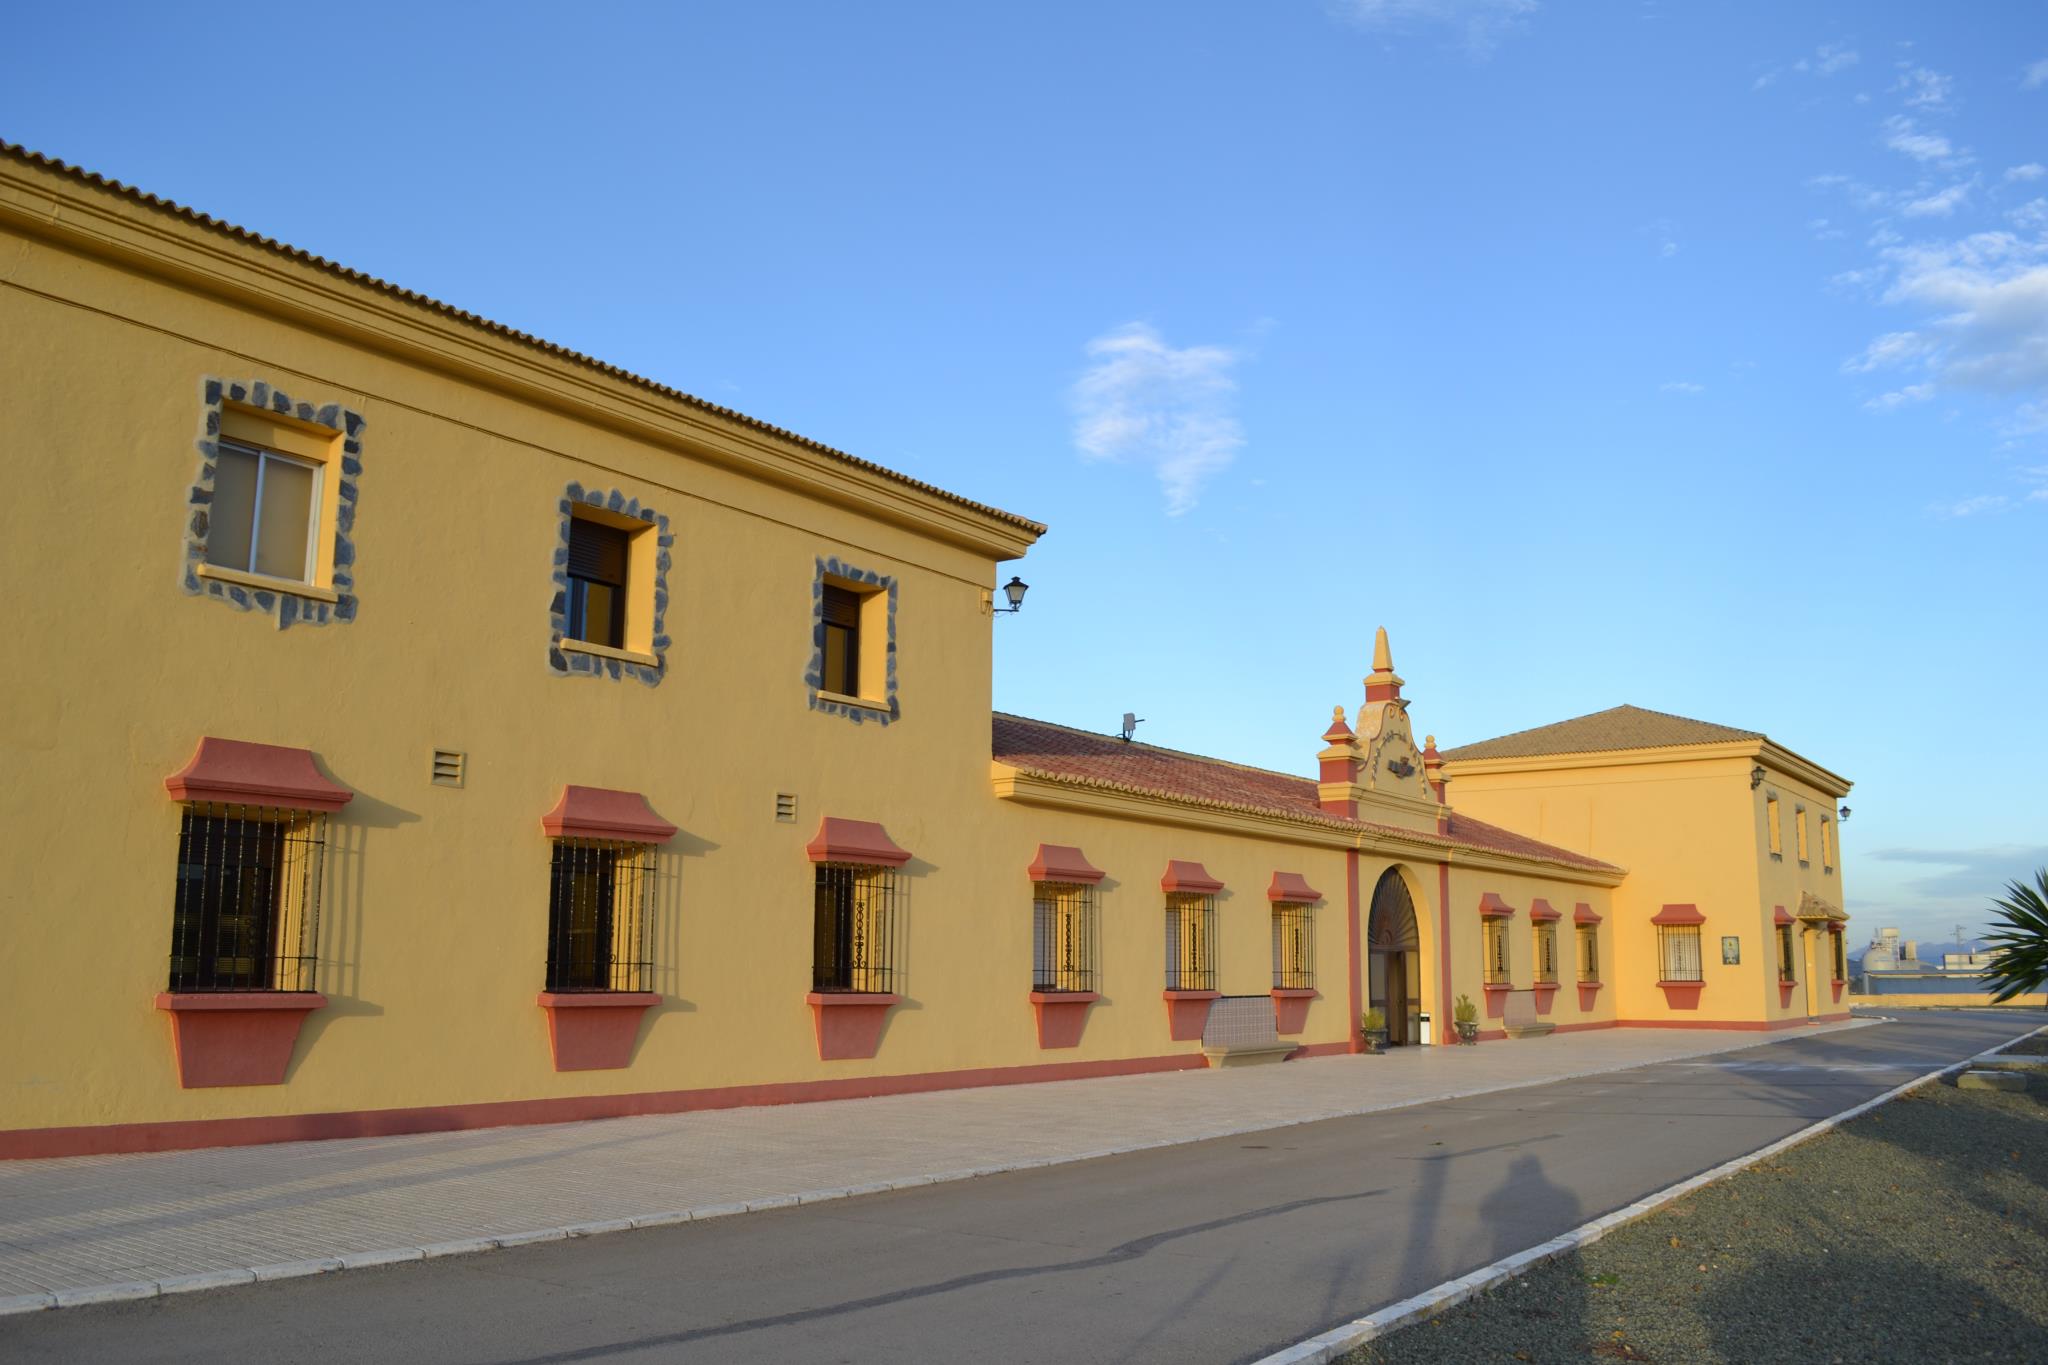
(448, 768)
(785, 808)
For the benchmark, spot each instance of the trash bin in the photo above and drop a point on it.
(1422, 1032)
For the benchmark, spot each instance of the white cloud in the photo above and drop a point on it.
(1146, 402)
(1483, 24)
(1970, 507)
(1832, 57)
(1924, 89)
(1906, 137)
(1684, 386)
(1899, 398)
(2033, 170)
(1893, 348)
(2037, 75)
(1822, 230)
(1938, 205)
(1988, 293)
(2032, 214)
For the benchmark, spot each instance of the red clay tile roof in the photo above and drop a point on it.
(17, 152)
(1079, 757)
(1618, 727)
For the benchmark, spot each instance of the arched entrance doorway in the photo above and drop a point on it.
(1394, 958)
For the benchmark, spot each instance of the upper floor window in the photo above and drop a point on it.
(841, 613)
(1799, 832)
(1062, 936)
(600, 894)
(1827, 844)
(1493, 935)
(266, 512)
(1678, 952)
(1589, 953)
(852, 671)
(1294, 946)
(1840, 952)
(1788, 972)
(1777, 831)
(597, 583)
(1190, 950)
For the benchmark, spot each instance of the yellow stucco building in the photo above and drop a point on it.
(439, 728)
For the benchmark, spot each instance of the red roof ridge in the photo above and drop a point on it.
(1138, 744)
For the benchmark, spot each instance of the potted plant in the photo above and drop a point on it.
(1373, 1024)
(1465, 1015)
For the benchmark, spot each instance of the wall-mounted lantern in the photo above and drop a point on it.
(1756, 777)
(1013, 590)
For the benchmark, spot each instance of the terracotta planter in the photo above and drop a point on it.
(235, 1037)
(849, 1023)
(1187, 1013)
(594, 1030)
(1290, 1009)
(1061, 1015)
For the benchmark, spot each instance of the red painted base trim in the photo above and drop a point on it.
(1584, 1028)
(1544, 993)
(188, 1134)
(1748, 1025)
(1290, 1009)
(1682, 995)
(1491, 1035)
(1061, 1015)
(1342, 1048)
(1496, 1000)
(594, 1030)
(849, 1023)
(1589, 995)
(1187, 1013)
(235, 1037)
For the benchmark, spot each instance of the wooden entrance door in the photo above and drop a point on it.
(1392, 945)
(1397, 998)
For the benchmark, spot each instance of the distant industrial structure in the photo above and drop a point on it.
(1892, 968)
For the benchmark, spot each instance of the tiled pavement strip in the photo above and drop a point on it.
(91, 1229)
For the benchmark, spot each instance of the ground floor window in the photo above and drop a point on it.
(246, 912)
(1190, 954)
(1493, 934)
(1546, 954)
(1841, 956)
(854, 929)
(1294, 947)
(1062, 936)
(1589, 953)
(600, 897)
(1787, 972)
(1678, 952)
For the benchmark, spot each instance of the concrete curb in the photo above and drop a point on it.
(1326, 1347)
(360, 1260)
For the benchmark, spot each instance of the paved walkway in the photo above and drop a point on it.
(83, 1229)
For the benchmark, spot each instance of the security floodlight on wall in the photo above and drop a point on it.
(1844, 813)
(1014, 590)
(1756, 777)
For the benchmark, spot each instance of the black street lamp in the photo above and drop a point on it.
(1014, 590)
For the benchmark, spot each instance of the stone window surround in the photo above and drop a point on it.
(858, 710)
(319, 604)
(574, 658)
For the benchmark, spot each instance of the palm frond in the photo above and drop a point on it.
(2020, 936)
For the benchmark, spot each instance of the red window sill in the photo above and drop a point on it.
(849, 1024)
(594, 1030)
(235, 1037)
(1061, 1016)
(1589, 995)
(1496, 993)
(1682, 995)
(1290, 1008)
(1187, 1013)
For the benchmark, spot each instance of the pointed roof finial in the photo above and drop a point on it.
(1338, 732)
(1384, 684)
(1382, 657)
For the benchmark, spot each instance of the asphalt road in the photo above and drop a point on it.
(1215, 1251)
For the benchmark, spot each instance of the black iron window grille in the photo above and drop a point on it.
(1190, 947)
(1787, 973)
(1589, 953)
(1546, 954)
(1294, 947)
(855, 928)
(1493, 935)
(247, 911)
(1841, 955)
(1062, 936)
(841, 611)
(1678, 952)
(600, 903)
(597, 583)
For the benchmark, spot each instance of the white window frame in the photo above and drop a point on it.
(263, 455)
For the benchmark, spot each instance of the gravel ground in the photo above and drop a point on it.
(1918, 1232)
(2036, 1046)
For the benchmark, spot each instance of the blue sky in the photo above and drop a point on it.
(1687, 355)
